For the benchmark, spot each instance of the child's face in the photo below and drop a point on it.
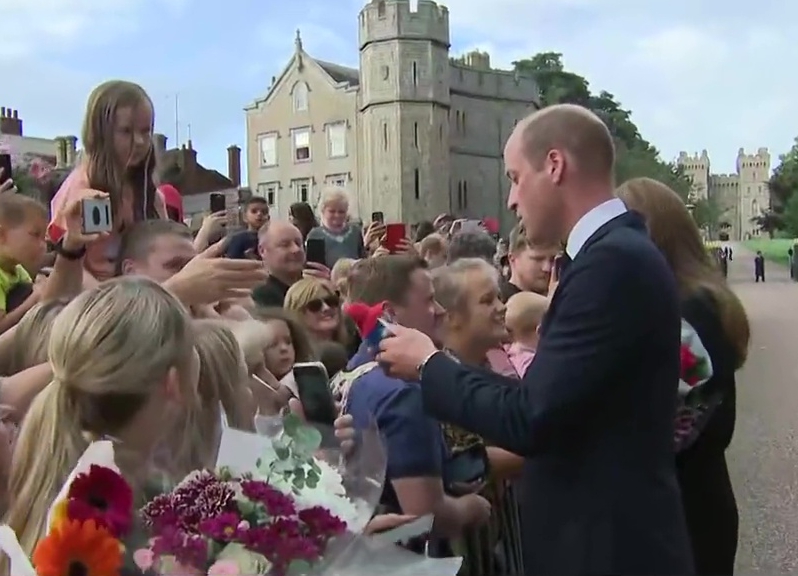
(25, 243)
(132, 134)
(280, 355)
(257, 215)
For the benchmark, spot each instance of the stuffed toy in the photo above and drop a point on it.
(369, 321)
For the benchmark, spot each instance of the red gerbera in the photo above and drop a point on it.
(689, 363)
(104, 496)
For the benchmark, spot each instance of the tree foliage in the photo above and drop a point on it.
(783, 185)
(635, 156)
(769, 222)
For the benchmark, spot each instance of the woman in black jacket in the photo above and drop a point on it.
(720, 321)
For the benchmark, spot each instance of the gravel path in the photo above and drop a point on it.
(764, 454)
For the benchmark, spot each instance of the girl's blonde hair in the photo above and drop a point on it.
(307, 289)
(339, 275)
(110, 349)
(673, 230)
(222, 386)
(102, 166)
(332, 194)
(31, 335)
(303, 349)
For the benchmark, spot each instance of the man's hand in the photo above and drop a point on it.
(374, 235)
(406, 247)
(403, 351)
(72, 214)
(477, 509)
(206, 280)
(8, 185)
(316, 270)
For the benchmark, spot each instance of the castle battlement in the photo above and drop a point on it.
(695, 158)
(724, 179)
(395, 19)
(759, 160)
(471, 75)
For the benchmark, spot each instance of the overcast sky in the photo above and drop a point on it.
(695, 73)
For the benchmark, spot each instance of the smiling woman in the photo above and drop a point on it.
(318, 306)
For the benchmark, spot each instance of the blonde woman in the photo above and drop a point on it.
(719, 318)
(318, 308)
(223, 391)
(123, 363)
(28, 347)
(341, 239)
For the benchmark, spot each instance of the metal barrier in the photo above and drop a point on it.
(494, 549)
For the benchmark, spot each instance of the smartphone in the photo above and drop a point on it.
(97, 215)
(313, 387)
(316, 251)
(378, 217)
(218, 203)
(5, 164)
(472, 226)
(394, 235)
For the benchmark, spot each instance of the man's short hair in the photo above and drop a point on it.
(575, 130)
(471, 244)
(137, 241)
(387, 278)
(518, 240)
(17, 209)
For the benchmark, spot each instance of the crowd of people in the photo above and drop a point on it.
(526, 392)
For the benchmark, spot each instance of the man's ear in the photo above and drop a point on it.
(128, 267)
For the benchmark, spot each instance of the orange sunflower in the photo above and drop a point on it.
(78, 549)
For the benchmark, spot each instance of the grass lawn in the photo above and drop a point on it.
(774, 250)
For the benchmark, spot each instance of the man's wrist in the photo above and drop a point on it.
(423, 364)
(71, 244)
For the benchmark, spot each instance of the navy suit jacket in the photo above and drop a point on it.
(593, 416)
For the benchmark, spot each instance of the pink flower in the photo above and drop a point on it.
(144, 559)
(223, 568)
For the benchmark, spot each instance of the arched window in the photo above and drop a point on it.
(754, 207)
(300, 97)
(381, 9)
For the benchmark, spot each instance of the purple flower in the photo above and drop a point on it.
(202, 497)
(223, 528)
(275, 502)
(321, 524)
(188, 549)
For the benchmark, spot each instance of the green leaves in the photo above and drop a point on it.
(295, 463)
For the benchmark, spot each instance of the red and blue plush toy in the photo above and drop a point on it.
(370, 321)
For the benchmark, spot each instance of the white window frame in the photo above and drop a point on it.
(340, 180)
(300, 96)
(266, 188)
(297, 185)
(333, 129)
(301, 135)
(262, 139)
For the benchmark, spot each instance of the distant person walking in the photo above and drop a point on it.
(791, 256)
(759, 267)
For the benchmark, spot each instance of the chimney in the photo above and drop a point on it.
(71, 150)
(10, 124)
(188, 158)
(61, 152)
(234, 165)
(159, 143)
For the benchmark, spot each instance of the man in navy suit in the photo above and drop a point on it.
(593, 416)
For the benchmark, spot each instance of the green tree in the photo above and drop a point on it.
(635, 156)
(784, 182)
(768, 222)
(707, 215)
(790, 216)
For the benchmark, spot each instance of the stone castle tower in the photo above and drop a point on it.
(740, 196)
(403, 105)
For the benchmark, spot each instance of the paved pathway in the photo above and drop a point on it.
(764, 453)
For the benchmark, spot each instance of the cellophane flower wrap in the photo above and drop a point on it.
(286, 503)
(695, 400)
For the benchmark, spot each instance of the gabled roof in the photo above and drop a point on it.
(338, 75)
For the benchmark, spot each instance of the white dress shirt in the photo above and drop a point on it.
(590, 222)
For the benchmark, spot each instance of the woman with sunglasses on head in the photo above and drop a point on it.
(318, 306)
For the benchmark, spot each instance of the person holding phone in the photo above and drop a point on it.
(341, 239)
(118, 159)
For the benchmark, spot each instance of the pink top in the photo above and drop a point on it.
(521, 356)
(101, 255)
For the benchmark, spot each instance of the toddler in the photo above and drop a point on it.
(524, 313)
(23, 224)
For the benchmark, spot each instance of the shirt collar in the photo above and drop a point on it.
(590, 223)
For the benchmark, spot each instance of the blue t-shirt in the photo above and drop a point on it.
(242, 244)
(414, 442)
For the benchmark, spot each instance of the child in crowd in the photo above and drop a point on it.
(23, 224)
(524, 313)
(117, 159)
(244, 244)
(432, 249)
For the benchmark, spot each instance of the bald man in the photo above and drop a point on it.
(282, 250)
(594, 414)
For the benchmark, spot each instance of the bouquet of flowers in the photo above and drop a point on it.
(29, 169)
(272, 506)
(695, 401)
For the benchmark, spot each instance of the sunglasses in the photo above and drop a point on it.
(316, 305)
